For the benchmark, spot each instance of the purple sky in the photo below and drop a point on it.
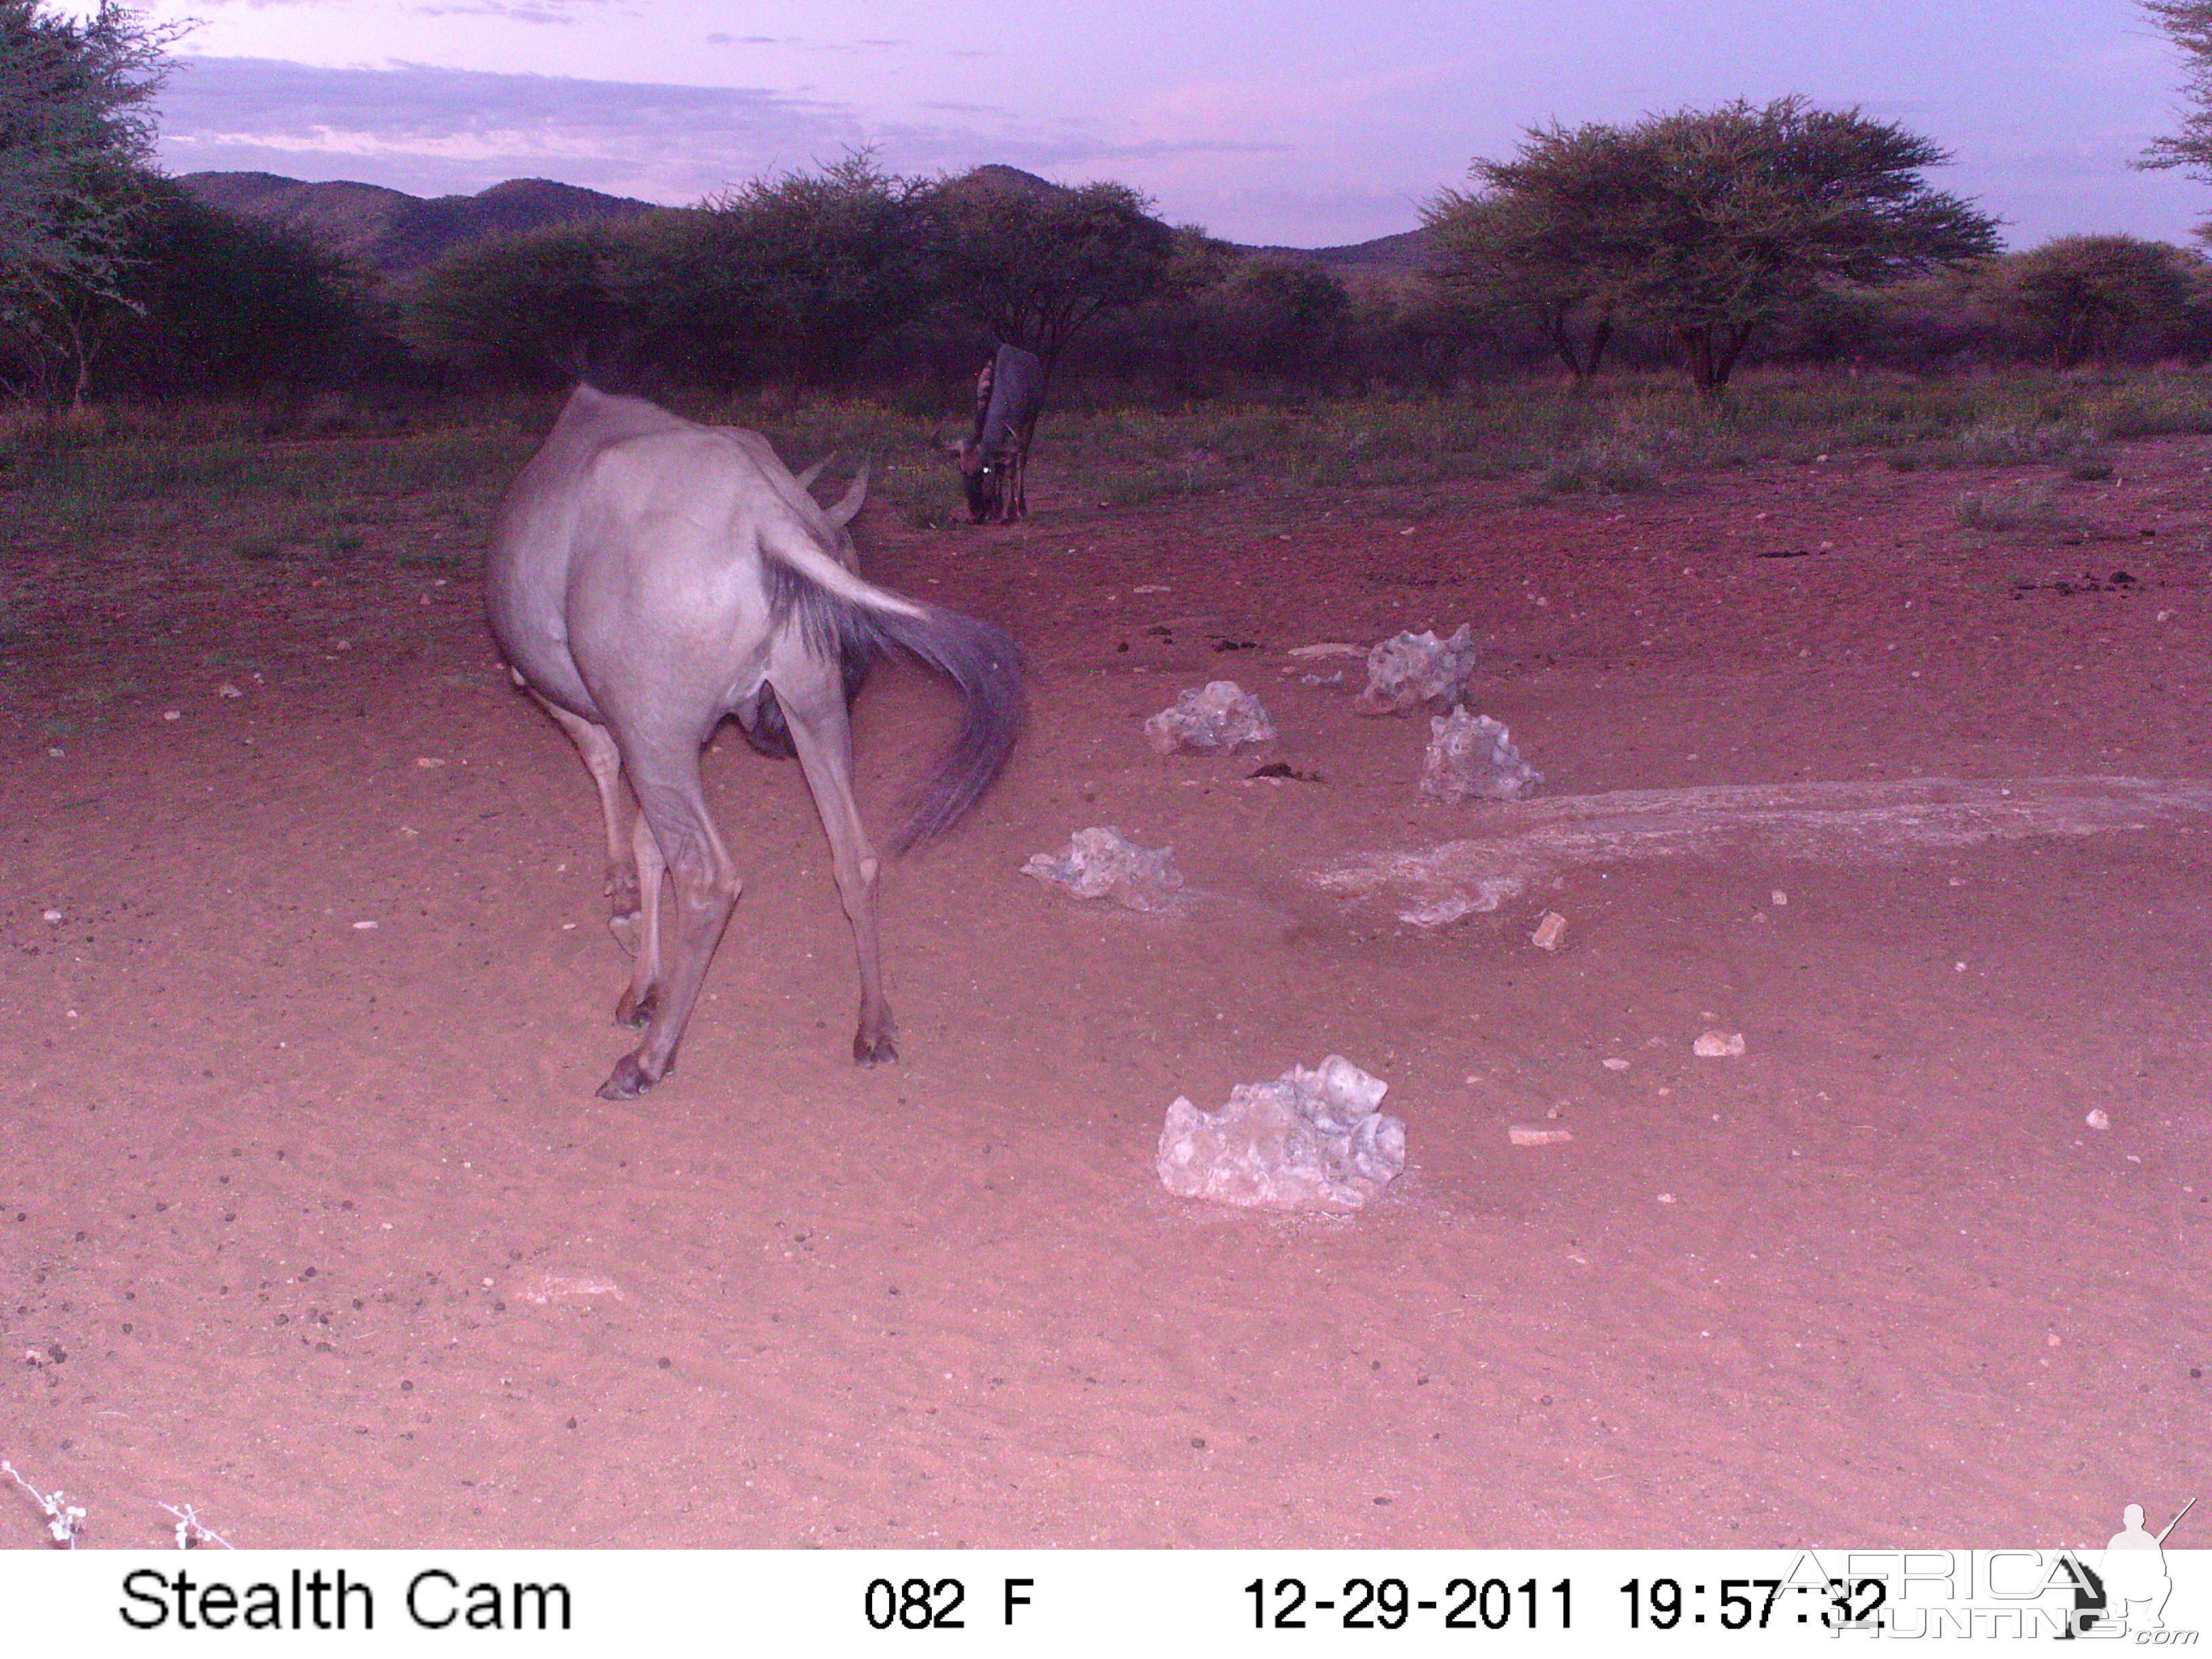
(1297, 123)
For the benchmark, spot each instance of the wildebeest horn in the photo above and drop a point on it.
(849, 502)
(807, 478)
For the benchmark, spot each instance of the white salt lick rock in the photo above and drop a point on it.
(1102, 863)
(1312, 1139)
(1471, 757)
(1223, 717)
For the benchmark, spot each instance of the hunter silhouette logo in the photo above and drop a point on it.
(2128, 1590)
(2135, 1569)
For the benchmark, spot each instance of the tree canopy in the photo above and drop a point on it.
(2087, 294)
(1037, 268)
(76, 138)
(1707, 224)
(2188, 24)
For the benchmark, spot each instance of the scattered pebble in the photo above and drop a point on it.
(226, 689)
(1778, 898)
(1718, 1045)
(1666, 1197)
(1551, 933)
(1616, 1064)
(1152, 587)
(2096, 1120)
(427, 761)
(1329, 648)
(361, 927)
(53, 915)
(1523, 1135)
(173, 713)
(546, 1287)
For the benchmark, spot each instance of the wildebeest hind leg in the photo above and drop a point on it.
(666, 775)
(823, 736)
(604, 760)
(636, 1008)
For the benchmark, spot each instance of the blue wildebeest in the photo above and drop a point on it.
(994, 459)
(648, 577)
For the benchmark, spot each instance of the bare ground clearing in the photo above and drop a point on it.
(317, 1225)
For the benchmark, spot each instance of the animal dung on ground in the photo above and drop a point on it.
(1718, 1045)
(1521, 1135)
(1551, 933)
(1312, 1139)
(1217, 720)
(1102, 863)
(1471, 757)
(1410, 669)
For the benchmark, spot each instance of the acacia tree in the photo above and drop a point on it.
(528, 305)
(2188, 24)
(1516, 246)
(1036, 266)
(1710, 224)
(824, 266)
(77, 143)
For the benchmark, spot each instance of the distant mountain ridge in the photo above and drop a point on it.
(389, 233)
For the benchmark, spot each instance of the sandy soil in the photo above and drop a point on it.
(315, 1224)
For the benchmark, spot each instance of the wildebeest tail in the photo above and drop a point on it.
(984, 664)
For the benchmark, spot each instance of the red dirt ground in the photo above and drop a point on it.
(317, 1227)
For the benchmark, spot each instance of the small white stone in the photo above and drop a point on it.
(2096, 1120)
(427, 761)
(1666, 1197)
(226, 689)
(173, 713)
(53, 915)
(1778, 898)
(1614, 1063)
(1551, 933)
(1718, 1045)
(363, 926)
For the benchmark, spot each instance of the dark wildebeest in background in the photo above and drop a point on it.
(648, 577)
(994, 459)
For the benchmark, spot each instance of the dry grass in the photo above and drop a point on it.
(294, 477)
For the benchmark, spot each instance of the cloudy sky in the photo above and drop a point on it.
(1304, 122)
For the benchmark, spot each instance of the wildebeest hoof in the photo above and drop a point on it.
(623, 924)
(874, 1051)
(627, 1081)
(637, 1012)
